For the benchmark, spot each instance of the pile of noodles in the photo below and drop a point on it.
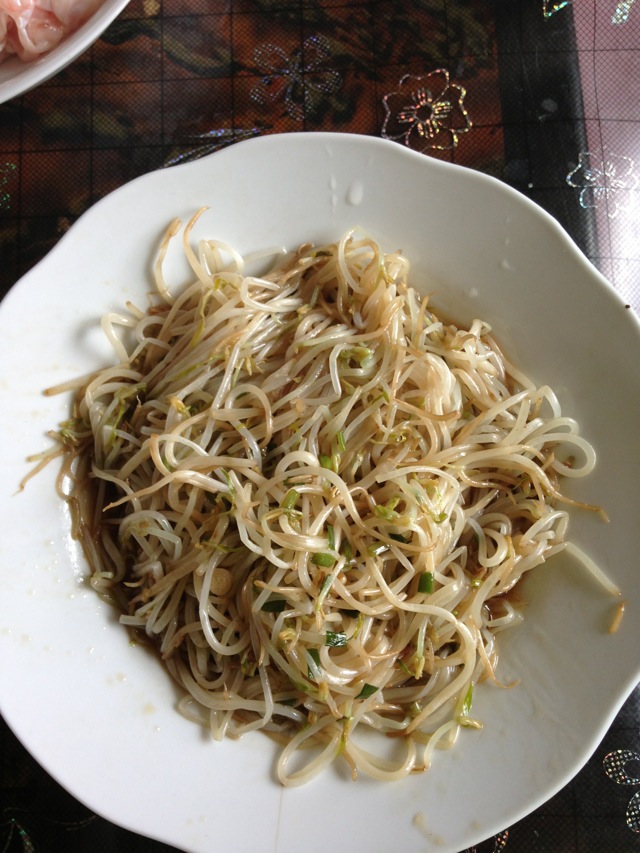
(313, 496)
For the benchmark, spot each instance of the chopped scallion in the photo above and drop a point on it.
(467, 702)
(290, 499)
(324, 589)
(359, 624)
(425, 584)
(397, 537)
(335, 639)
(367, 690)
(331, 537)
(314, 654)
(385, 512)
(274, 605)
(404, 668)
(326, 461)
(324, 560)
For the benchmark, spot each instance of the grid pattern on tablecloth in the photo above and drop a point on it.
(571, 119)
(606, 174)
(539, 100)
(173, 81)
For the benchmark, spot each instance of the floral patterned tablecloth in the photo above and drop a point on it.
(540, 94)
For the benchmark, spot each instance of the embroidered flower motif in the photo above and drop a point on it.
(621, 12)
(6, 171)
(550, 7)
(426, 112)
(10, 829)
(615, 766)
(301, 79)
(499, 843)
(605, 180)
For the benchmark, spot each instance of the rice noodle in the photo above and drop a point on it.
(312, 495)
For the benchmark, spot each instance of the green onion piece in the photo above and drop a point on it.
(331, 537)
(385, 512)
(342, 444)
(324, 560)
(324, 589)
(376, 549)
(335, 639)
(303, 687)
(274, 605)
(290, 499)
(398, 538)
(326, 461)
(358, 353)
(367, 690)
(466, 702)
(314, 654)
(347, 550)
(359, 624)
(425, 584)
(404, 668)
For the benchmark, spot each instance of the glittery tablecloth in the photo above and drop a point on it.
(543, 95)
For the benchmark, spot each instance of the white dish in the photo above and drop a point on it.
(99, 714)
(17, 77)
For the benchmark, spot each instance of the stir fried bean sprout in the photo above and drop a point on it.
(315, 498)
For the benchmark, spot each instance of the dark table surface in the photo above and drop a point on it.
(543, 95)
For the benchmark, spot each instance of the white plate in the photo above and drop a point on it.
(17, 77)
(99, 714)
